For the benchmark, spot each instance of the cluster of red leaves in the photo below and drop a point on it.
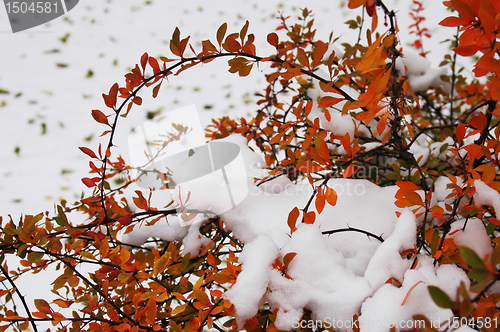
(417, 29)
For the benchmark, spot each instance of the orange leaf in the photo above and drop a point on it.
(292, 219)
(320, 201)
(328, 101)
(42, 306)
(331, 196)
(150, 311)
(348, 171)
(356, 3)
(322, 149)
(410, 290)
(221, 32)
(346, 143)
(123, 327)
(140, 201)
(309, 217)
(302, 57)
(288, 258)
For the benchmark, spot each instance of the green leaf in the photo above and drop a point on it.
(34, 256)
(479, 274)
(42, 306)
(472, 258)
(440, 298)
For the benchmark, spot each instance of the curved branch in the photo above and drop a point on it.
(352, 229)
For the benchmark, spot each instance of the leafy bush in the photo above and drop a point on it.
(368, 200)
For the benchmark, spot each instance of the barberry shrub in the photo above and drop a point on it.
(371, 202)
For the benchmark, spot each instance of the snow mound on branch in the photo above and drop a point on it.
(421, 76)
(474, 236)
(387, 261)
(247, 294)
(393, 306)
(320, 282)
(485, 195)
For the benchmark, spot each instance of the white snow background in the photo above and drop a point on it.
(55, 74)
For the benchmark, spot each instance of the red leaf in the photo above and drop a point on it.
(156, 89)
(88, 182)
(100, 117)
(232, 45)
(110, 99)
(454, 21)
(154, 64)
(125, 220)
(273, 39)
(144, 60)
(460, 132)
(137, 100)
(88, 152)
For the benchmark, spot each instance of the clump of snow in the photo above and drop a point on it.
(473, 236)
(387, 261)
(320, 282)
(441, 190)
(172, 231)
(194, 242)
(247, 293)
(339, 124)
(385, 308)
(485, 195)
(421, 76)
